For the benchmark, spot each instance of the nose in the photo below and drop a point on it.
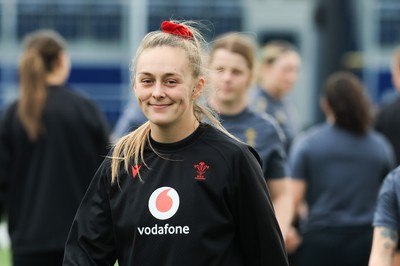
(226, 76)
(158, 91)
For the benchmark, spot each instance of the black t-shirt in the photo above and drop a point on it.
(388, 123)
(203, 201)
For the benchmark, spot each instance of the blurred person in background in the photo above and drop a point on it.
(52, 140)
(176, 191)
(278, 72)
(131, 118)
(387, 120)
(232, 66)
(386, 223)
(337, 168)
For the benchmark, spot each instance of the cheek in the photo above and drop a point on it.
(142, 94)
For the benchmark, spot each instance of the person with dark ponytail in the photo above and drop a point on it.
(337, 169)
(52, 140)
(177, 190)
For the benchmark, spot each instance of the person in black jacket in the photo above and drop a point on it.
(387, 120)
(177, 190)
(52, 140)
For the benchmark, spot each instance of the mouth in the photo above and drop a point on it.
(226, 89)
(159, 105)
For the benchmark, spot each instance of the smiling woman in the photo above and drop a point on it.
(161, 87)
(176, 187)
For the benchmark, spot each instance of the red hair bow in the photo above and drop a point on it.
(176, 29)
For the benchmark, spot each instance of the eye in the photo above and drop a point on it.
(170, 82)
(236, 72)
(146, 81)
(219, 69)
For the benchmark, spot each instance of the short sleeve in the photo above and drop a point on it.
(387, 209)
(298, 158)
(275, 158)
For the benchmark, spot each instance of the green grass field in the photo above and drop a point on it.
(5, 259)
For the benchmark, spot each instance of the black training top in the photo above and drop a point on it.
(388, 123)
(46, 180)
(203, 201)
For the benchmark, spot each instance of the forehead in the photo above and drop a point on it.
(163, 59)
(288, 58)
(224, 57)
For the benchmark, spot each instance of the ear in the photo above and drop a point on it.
(323, 103)
(198, 89)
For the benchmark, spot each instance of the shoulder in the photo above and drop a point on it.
(394, 176)
(391, 185)
(227, 147)
(388, 111)
(80, 99)
(10, 109)
(379, 138)
(313, 133)
(9, 112)
(393, 105)
(73, 94)
(267, 124)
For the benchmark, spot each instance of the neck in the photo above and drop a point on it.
(330, 118)
(273, 92)
(229, 108)
(55, 78)
(171, 134)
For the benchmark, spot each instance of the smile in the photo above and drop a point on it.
(159, 106)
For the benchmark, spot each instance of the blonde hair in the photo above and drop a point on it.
(130, 148)
(42, 50)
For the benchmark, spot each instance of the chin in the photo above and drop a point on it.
(159, 122)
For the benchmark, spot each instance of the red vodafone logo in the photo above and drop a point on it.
(164, 203)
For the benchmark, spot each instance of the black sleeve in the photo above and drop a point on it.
(276, 166)
(91, 240)
(259, 233)
(5, 153)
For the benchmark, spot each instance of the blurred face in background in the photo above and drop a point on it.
(280, 76)
(230, 75)
(395, 70)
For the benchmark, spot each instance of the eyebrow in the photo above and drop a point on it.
(164, 75)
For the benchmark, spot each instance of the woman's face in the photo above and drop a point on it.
(395, 71)
(282, 74)
(231, 76)
(164, 86)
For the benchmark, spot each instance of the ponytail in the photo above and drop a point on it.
(33, 93)
(42, 51)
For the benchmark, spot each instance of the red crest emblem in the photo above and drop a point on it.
(201, 169)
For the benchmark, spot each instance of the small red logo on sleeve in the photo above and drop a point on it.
(135, 170)
(201, 169)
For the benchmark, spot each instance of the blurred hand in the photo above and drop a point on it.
(292, 240)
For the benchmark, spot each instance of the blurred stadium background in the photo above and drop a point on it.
(358, 35)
